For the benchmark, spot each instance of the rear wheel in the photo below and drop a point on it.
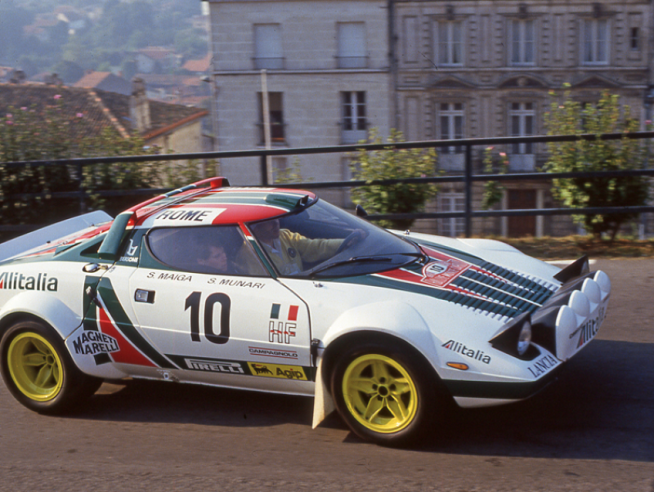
(38, 370)
(386, 393)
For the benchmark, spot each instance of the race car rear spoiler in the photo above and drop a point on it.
(52, 235)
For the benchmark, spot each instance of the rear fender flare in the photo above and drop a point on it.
(43, 306)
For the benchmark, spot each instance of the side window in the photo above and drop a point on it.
(218, 250)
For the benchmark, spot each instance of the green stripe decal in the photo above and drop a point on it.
(126, 327)
(445, 295)
(90, 319)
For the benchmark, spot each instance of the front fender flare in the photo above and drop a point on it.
(396, 319)
(393, 318)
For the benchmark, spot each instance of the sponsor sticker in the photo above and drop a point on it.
(187, 216)
(266, 352)
(441, 271)
(95, 342)
(462, 349)
(280, 331)
(18, 281)
(277, 371)
(214, 366)
(543, 365)
(589, 329)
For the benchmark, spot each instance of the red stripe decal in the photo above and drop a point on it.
(127, 354)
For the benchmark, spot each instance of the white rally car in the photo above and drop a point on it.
(275, 290)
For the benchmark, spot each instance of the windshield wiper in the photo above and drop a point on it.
(355, 259)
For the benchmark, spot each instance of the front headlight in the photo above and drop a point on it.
(524, 339)
(514, 338)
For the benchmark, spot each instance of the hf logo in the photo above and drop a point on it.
(280, 330)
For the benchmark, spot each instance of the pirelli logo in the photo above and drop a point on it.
(214, 366)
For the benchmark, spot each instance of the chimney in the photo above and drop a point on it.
(139, 106)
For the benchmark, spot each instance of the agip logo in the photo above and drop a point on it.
(277, 371)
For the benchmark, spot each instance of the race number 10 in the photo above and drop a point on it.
(193, 302)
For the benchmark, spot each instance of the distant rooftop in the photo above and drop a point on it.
(99, 109)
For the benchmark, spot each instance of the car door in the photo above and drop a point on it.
(234, 326)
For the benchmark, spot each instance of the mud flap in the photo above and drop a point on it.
(323, 404)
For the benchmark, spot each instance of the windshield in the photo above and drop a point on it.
(325, 241)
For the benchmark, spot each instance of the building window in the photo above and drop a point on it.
(275, 110)
(449, 47)
(352, 45)
(354, 124)
(268, 47)
(595, 41)
(634, 42)
(522, 42)
(453, 226)
(451, 121)
(521, 118)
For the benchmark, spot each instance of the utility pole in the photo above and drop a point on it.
(265, 108)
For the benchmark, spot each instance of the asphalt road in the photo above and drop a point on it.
(592, 430)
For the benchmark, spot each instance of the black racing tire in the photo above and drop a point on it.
(39, 372)
(387, 393)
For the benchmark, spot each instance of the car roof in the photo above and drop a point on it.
(221, 206)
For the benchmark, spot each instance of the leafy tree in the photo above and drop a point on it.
(79, 50)
(70, 72)
(493, 191)
(190, 43)
(58, 34)
(392, 163)
(607, 116)
(28, 134)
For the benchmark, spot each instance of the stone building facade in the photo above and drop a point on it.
(471, 69)
(455, 69)
(327, 77)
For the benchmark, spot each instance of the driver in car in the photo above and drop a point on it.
(288, 250)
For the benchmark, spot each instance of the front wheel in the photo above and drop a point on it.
(38, 370)
(386, 393)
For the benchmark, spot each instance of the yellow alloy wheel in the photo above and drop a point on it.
(379, 393)
(35, 367)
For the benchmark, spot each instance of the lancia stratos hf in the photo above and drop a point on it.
(275, 290)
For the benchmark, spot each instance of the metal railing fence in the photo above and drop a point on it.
(467, 177)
